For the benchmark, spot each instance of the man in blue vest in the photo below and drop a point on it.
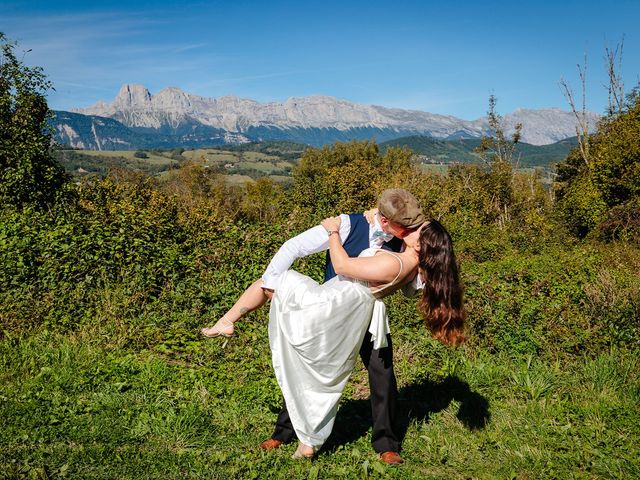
(398, 215)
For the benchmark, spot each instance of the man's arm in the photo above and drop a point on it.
(308, 242)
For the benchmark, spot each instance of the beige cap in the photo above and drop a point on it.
(400, 207)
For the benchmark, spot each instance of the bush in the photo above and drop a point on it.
(581, 205)
(607, 180)
(346, 177)
(558, 301)
(622, 223)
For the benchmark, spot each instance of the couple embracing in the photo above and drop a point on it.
(316, 331)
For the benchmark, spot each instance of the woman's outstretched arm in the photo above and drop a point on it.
(378, 269)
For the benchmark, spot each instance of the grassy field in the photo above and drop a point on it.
(152, 158)
(239, 166)
(100, 404)
(434, 168)
(233, 161)
(80, 163)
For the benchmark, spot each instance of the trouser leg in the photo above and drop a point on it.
(384, 393)
(284, 428)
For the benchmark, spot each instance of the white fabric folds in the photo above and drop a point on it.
(315, 333)
(379, 325)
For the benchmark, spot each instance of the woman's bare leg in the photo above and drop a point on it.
(251, 299)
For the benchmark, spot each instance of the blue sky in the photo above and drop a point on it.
(442, 57)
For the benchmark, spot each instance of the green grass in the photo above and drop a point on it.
(240, 162)
(91, 162)
(213, 157)
(100, 403)
(434, 168)
(153, 158)
(209, 157)
(238, 179)
(239, 166)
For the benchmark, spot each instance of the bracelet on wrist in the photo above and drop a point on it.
(331, 232)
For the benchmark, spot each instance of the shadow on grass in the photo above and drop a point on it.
(416, 402)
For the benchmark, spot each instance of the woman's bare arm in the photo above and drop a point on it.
(378, 269)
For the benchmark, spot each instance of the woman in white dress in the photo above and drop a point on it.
(315, 331)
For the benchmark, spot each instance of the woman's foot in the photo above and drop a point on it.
(222, 328)
(304, 451)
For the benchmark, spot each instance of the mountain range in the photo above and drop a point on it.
(174, 118)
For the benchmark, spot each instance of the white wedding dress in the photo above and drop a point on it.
(315, 333)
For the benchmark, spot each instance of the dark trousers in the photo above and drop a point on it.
(384, 392)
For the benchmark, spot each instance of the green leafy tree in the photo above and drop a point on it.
(497, 151)
(28, 173)
(616, 162)
(347, 177)
(596, 194)
(263, 200)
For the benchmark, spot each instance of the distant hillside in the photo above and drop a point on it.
(273, 159)
(449, 151)
(289, 151)
(91, 162)
(92, 132)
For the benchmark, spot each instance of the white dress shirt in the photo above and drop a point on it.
(316, 240)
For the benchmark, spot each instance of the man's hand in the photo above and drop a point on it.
(268, 293)
(370, 215)
(331, 224)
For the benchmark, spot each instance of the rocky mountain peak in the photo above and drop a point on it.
(172, 98)
(133, 95)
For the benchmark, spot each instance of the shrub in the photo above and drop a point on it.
(346, 177)
(622, 223)
(609, 178)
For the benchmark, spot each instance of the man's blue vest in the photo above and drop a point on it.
(357, 241)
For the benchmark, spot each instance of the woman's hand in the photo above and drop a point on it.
(331, 224)
(370, 215)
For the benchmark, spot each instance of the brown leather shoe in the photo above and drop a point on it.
(270, 444)
(391, 458)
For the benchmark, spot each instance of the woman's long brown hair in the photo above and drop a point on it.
(441, 302)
